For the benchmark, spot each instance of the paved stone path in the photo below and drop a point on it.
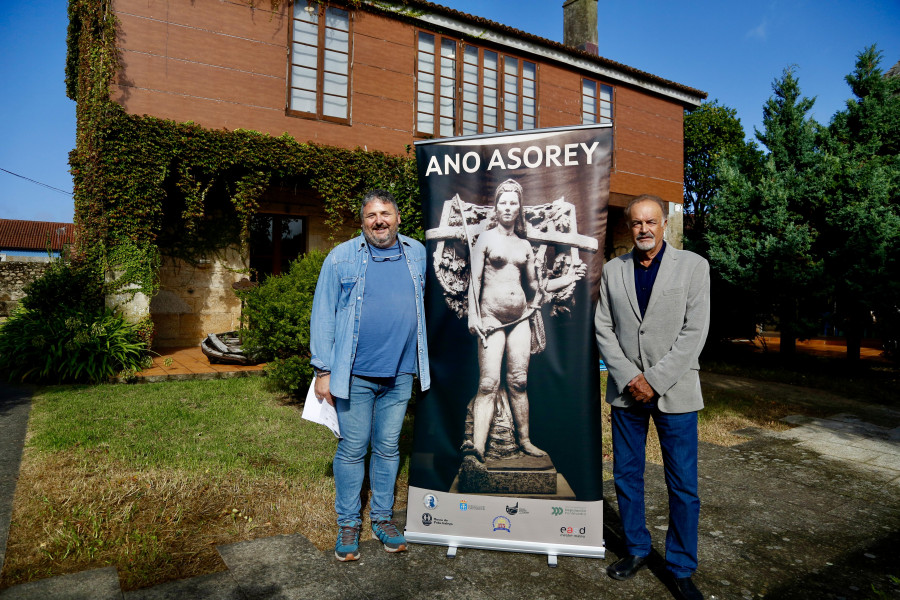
(178, 364)
(811, 513)
(844, 437)
(15, 404)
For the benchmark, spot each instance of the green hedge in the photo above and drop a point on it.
(276, 319)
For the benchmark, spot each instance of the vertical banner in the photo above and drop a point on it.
(507, 451)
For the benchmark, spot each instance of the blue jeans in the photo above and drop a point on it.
(373, 413)
(678, 439)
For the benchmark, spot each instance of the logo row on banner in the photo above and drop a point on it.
(506, 519)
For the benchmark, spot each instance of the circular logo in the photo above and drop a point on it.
(430, 501)
(426, 519)
(501, 524)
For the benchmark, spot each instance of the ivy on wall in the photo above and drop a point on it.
(143, 184)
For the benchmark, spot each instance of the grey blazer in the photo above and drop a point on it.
(666, 343)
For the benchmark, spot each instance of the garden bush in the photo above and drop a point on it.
(276, 318)
(62, 333)
(69, 346)
(69, 284)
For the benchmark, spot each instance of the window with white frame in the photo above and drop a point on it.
(596, 102)
(464, 89)
(320, 62)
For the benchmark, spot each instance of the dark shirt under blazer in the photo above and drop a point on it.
(645, 277)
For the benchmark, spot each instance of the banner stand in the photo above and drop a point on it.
(552, 551)
(507, 449)
(512, 524)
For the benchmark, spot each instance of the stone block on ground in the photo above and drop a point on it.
(220, 586)
(286, 567)
(96, 584)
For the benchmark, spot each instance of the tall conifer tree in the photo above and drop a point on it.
(861, 237)
(763, 232)
(712, 134)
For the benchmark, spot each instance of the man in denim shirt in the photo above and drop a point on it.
(367, 336)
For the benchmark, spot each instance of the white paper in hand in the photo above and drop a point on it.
(319, 411)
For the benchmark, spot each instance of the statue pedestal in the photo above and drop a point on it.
(513, 476)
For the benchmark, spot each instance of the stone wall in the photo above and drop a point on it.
(194, 300)
(675, 227)
(14, 276)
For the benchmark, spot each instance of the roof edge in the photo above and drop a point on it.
(484, 29)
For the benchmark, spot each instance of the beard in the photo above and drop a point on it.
(645, 243)
(384, 237)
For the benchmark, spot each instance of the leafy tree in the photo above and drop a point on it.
(712, 133)
(861, 236)
(764, 229)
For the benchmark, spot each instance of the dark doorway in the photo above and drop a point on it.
(275, 240)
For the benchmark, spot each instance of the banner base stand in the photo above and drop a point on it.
(551, 550)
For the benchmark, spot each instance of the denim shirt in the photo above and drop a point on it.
(334, 323)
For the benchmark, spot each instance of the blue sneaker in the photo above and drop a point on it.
(387, 531)
(347, 545)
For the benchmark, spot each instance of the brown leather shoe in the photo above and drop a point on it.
(626, 568)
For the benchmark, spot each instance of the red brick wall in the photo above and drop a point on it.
(648, 157)
(648, 140)
(559, 94)
(223, 64)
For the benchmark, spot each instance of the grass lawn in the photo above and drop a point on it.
(150, 478)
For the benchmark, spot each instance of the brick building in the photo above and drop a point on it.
(378, 75)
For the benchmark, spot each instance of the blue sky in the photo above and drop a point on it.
(731, 50)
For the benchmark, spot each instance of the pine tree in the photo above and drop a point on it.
(861, 238)
(763, 231)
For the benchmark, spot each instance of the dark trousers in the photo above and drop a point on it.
(678, 439)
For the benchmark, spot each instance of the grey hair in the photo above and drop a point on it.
(663, 209)
(377, 194)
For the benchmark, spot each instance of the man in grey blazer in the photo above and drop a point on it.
(651, 324)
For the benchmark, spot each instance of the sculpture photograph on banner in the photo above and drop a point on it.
(498, 278)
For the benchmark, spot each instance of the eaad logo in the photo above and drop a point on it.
(557, 510)
(501, 524)
(430, 501)
(426, 519)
